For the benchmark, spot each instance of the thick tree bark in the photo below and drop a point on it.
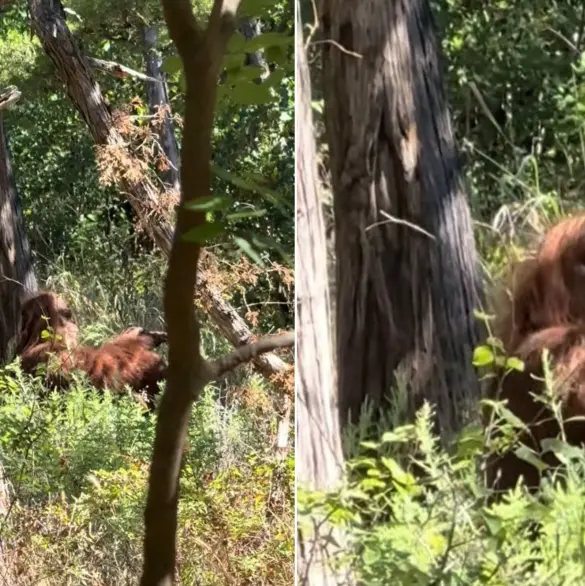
(143, 195)
(407, 276)
(319, 458)
(17, 277)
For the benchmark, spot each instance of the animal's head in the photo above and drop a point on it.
(549, 288)
(46, 312)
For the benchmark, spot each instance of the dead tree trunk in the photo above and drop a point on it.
(142, 194)
(157, 96)
(16, 272)
(407, 276)
(319, 459)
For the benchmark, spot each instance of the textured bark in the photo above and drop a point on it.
(157, 95)
(405, 296)
(142, 194)
(319, 458)
(16, 272)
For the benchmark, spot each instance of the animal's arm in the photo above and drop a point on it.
(148, 339)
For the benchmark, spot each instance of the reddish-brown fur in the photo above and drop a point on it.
(128, 359)
(545, 309)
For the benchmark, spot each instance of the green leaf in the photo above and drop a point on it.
(248, 214)
(208, 203)
(274, 197)
(233, 62)
(510, 418)
(276, 54)
(204, 232)
(172, 64)
(236, 43)
(514, 364)
(254, 7)
(246, 247)
(526, 454)
(369, 445)
(246, 73)
(563, 451)
(249, 94)
(268, 40)
(262, 241)
(482, 356)
(275, 78)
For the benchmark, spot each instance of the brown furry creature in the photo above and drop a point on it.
(546, 310)
(128, 359)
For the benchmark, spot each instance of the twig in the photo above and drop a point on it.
(340, 47)
(394, 220)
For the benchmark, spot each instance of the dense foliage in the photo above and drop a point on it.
(78, 462)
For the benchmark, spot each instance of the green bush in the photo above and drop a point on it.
(417, 514)
(78, 466)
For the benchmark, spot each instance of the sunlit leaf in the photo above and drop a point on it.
(246, 214)
(526, 454)
(204, 232)
(482, 356)
(172, 64)
(249, 93)
(236, 43)
(208, 203)
(268, 40)
(246, 247)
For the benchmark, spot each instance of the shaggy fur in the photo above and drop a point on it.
(545, 309)
(128, 359)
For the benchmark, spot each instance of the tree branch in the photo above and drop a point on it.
(118, 70)
(222, 21)
(247, 353)
(183, 27)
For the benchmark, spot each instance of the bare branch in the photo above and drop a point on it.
(118, 70)
(244, 354)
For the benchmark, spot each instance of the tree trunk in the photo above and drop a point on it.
(17, 276)
(407, 274)
(319, 458)
(157, 96)
(142, 194)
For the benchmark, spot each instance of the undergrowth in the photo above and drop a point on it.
(418, 514)
(77, 465)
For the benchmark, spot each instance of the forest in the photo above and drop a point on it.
(440, 171)
(146, 234)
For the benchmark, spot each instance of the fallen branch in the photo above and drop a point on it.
(118, 70)
(247, 353)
